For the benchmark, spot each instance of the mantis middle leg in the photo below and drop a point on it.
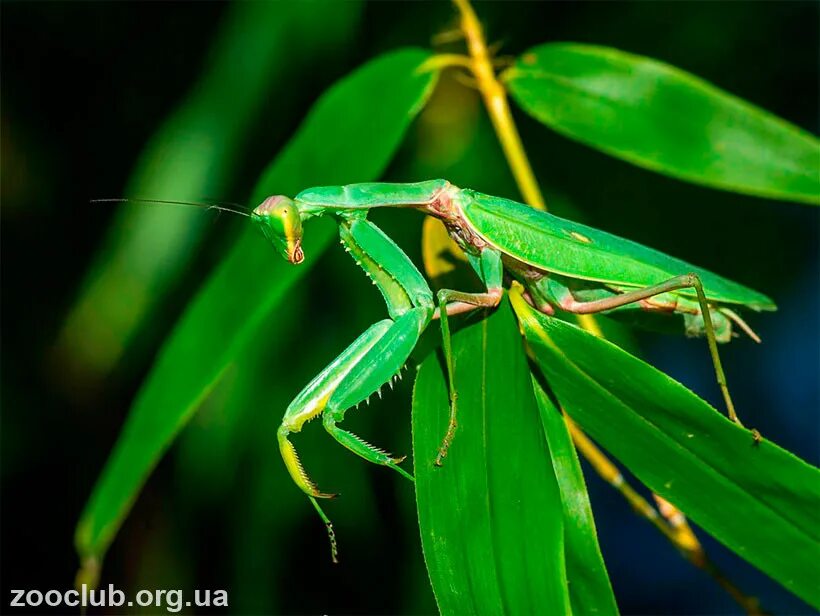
(489, 268)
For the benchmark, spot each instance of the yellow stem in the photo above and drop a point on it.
(495, 98)
(610, 473)
(672, 525)
(684, 535)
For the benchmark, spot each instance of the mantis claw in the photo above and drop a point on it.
(327, 495)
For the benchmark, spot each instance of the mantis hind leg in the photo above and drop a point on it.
(686, 281)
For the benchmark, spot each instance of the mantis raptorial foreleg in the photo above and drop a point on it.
(371, 361)
(378, 365)
(312, 400)
(489, 268)
(686, 281)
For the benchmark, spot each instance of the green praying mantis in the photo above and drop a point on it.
(561, 265)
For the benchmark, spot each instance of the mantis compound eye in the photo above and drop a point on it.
(281, 223)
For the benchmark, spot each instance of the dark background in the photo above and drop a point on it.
(85, 85)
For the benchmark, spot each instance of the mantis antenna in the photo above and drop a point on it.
(222, 206)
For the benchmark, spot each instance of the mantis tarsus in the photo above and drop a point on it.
(561, 265)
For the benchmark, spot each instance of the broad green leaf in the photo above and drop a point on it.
(252, 280)
(196, 153)
(757, 499)
(664, 119)
(589, 589)
(490, 517)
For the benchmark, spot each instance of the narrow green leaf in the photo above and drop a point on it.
(490, 517)
(757, 499)
(252, 280)
(664, 119)
(589, 589)
(194, 154)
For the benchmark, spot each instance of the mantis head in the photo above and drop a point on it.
(281, 222)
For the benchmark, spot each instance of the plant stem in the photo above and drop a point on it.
(495, 98)
(671, 522)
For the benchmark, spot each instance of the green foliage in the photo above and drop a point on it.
(757, 499)
(589, 589)
(662, 118)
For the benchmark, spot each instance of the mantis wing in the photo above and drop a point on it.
(578, 251)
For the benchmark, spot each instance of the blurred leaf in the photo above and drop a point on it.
(233, 304)
(589, 589)
(195, 154)
(490, 518)
(210, 450)
(664, 119)
(758, 500)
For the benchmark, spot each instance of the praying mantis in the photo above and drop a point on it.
(562, 265)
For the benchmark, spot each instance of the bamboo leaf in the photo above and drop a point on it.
(664, 119)
(233, 304)
(757, 499)
(490, 517)
(590, 591)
